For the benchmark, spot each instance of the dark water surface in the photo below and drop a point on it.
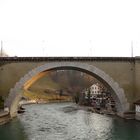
(64, 121)
(13, 130)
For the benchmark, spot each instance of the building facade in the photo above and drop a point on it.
(137, 110)
(94, 91)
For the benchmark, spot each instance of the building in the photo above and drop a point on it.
(99, 97)
(95, 90)
(137, 110)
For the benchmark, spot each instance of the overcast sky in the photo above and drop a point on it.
(70, 27)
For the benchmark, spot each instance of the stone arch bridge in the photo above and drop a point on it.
(120, 74)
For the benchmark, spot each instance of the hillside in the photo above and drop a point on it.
(66, 82)
(39, 96)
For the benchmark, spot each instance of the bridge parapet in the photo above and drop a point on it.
(36, 59)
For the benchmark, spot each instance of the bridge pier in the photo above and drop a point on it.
(14, 106)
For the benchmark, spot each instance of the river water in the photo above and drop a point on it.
(63, 121)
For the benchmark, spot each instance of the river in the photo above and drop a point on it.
(63, 121)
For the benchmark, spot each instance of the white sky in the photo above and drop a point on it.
(70, 27)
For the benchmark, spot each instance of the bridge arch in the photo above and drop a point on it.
(15, 93)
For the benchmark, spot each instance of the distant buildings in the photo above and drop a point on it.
(99, 97)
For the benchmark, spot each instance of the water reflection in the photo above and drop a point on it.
(12, 131)
(65, 122)
(100, 125)
(125, 129)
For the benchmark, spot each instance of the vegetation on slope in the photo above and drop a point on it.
(41, 96)
(69, 83)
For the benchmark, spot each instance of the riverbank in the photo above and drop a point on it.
(130, 115)
(91, 109)
(42, 102)
(4, 117)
